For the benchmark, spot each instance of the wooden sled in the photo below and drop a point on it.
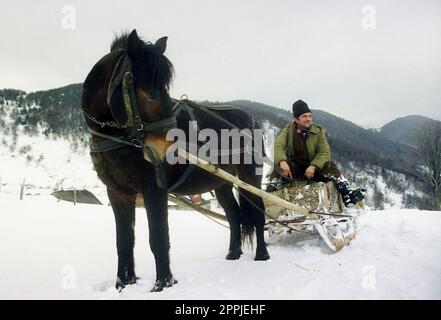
(300, 207)
(328, 215)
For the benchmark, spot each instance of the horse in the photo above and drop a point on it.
(128, 110)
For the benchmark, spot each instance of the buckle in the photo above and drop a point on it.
(137, 143)
(129, 78)
(140, 127)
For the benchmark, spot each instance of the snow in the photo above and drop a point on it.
(55, 250)
(52, 166)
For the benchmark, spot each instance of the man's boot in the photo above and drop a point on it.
(350, 197)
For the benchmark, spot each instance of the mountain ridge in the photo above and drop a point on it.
(404, 129)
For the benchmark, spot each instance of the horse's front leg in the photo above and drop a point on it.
(124, 210)
(155, 200)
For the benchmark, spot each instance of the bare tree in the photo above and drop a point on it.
(428, 144)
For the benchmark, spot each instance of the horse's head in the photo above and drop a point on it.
(126, 101)
(151, 72)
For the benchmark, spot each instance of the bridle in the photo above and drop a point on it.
(122, 74)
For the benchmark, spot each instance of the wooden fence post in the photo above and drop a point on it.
(75, 196)
(22, 189)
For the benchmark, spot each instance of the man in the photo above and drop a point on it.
(302, 151)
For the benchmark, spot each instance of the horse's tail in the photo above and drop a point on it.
(246, 217)
(252, 211)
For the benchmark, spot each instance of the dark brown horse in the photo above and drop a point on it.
(129, 111)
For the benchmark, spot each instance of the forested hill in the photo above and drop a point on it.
(57, 113)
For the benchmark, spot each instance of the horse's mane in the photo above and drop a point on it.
(120, 41)
(161, 69)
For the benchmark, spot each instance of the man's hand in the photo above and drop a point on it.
(309, 173)
(285, 167)
(196, 198)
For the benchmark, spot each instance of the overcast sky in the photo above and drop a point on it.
(366, 61)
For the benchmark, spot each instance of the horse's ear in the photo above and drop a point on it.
(133, 44)
(161, 44)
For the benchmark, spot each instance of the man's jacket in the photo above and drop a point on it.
(316, 143)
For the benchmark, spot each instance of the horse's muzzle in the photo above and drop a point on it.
(154, 152)
(155, 147)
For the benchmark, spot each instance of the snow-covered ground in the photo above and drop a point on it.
(56, 250)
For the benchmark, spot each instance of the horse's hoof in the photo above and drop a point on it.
(119, 286)
(160, 284)
(262, 256)
(122, 283)
(233, 254)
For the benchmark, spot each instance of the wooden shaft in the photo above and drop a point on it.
(235, 180)
(187, 203)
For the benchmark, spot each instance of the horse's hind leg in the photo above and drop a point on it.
(253, 208)
(124, 210)
(226, 199)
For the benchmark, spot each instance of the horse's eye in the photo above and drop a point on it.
(153, 95)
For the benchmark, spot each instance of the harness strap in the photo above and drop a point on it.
(191, 166)
(131, 105)
(108, 143)
(161, 125)
(115, 79)
(127, 83)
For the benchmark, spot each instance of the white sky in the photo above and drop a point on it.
(273, 52)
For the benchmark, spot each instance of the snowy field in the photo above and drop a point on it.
(55, 250)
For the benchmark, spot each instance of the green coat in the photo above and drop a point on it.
(316, 143)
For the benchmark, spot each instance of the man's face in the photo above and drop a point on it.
(304, 121)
